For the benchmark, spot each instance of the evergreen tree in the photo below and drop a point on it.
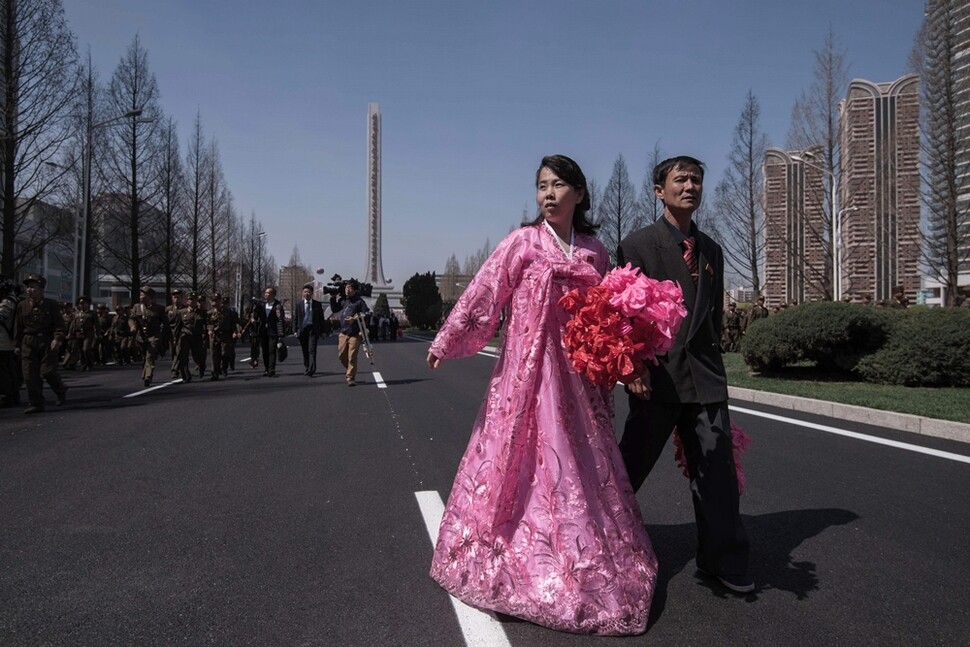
(422, 301)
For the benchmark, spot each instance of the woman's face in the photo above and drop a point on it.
(557, 199)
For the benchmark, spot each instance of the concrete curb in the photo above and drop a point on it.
(901, 421)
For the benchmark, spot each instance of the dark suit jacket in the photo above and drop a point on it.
(271, 326)
(317, 308)
(693, 370)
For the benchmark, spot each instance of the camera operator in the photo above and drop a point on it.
(350, 308)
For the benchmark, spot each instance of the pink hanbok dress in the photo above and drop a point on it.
(541, 523)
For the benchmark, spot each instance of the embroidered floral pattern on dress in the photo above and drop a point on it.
(541, 522)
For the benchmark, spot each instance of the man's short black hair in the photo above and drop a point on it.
(663, 169)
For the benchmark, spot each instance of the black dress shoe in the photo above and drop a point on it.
(736, 583)
(62, 397)
(265, 373)
(214, 378)
(148, 382)
(34, 408)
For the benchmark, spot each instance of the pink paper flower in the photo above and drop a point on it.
(617, 326)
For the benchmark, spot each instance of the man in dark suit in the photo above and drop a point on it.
(269, 328)
(688, 388)
(309, 327)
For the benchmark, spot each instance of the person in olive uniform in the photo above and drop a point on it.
(105, 345)
(39, 333)
(121, 336)
(224, 329)
(172, 312)
(758, 311)
(189, 331)
(84, 331)
(150, 329)
(9, 372)
(732, 329)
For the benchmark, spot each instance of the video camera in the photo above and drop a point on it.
(337, 284)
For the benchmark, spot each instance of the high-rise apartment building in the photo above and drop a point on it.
(797, 265)
(945, 41)
(877, 215)
(879, 247)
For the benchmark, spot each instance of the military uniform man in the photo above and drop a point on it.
(39, 333)
(202, 358)
(758, 311)
(84, 330)
(190, 332)
(105, 346)
(172, 312)
(224, 329)
(150, 330)
(121, 335)
(732, 328)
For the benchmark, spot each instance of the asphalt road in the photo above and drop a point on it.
(260, 511)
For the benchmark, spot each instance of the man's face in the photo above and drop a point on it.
(349, 290)
(307, 293)
(176, 299)
(144, 298)
(34, 291)
(83, 305)
(682, 189)
(269, 295)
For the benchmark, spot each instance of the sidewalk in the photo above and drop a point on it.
(903, 422)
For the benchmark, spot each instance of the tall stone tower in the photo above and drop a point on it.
(374, 272)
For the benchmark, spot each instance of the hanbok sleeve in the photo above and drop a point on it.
(475, 317)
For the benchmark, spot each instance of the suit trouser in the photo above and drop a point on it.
(268, 344)
(40, 363)
(705, 430)
(308, 344)
(348, 346)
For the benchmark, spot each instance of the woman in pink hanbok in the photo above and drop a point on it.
(542, 523)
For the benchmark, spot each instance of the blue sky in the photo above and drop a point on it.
(472, 95)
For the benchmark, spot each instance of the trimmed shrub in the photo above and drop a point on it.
(835, 336)
(926, 347)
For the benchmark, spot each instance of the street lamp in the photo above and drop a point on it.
(259, 260)
(77, 238)
(836, 222)
(83, 278)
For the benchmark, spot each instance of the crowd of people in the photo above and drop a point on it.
(198, 332)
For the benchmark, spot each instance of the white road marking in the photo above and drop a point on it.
(480, 628)
(379, 380)
(852, 434)
(154, 388)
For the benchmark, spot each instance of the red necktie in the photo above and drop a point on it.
(690, 258)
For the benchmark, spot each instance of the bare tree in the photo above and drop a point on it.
(651, 208)
(815, 128)
(474, 262)
(216, 201)
(738, 221)
(38, 84)
(450, 284)
(619, 212)
(131, 235)
(172, 206)
(945, 147)
(196, 163)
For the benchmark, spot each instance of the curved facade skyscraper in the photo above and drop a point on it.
(374, 272)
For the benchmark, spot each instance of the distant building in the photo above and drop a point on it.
(877, 218)
(796, 262)
(880, 189)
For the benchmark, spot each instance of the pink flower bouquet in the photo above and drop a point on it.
(621, 323)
